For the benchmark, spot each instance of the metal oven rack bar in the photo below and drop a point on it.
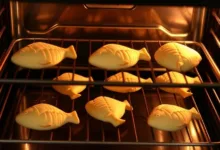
(195, 134)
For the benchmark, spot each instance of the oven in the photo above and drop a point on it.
(89, 26)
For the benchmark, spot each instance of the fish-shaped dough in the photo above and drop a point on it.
(45, 117)
(40, 55)
(177, 57)
(128, 77)
(107, 109)
(71, 90)
(177, 77)
(171, 117)
(116, 56)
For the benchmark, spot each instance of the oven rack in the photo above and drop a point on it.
(195, 134)
(145, 66)
(129, 134)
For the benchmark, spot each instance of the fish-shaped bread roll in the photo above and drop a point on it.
(177, 57)
(71, 90)
(40, 55)
(107, 109)
(177, 77)
(116, 56)
(128, 77)
(171, 117)
(45, 117)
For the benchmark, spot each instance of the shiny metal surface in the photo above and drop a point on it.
(212, 31)
(156, 27)
(83, 21)
(215, 15)
(215, 37)
(198, 23)
(118, 6)
(87, 27)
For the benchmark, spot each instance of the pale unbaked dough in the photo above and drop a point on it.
(40, 55)
(177, 77)
(71, 90)
(107, 109)
(177, 57)
(115, 57)
(128, 77)
(45, 117)
(171, 117)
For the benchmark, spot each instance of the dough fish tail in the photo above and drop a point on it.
(196, 80)
(116, 121)
(73, 117)
(144, 55)
(71, 52)
(91, 80)
(195, 113)
(74, 96)
(185, 93)
(128, 106)
(148, 80)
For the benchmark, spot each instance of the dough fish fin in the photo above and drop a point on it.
(130, 90)
(74, 96)
(195, 114)
(125, 63)
(144, 55)
(185, 93)
(179, 65)
(71, 52)
(45, 126)
(116, 121)
(91, 79)
(45, 63)
(73, 117)
(181, 126)
(128, 106)
(196, 80)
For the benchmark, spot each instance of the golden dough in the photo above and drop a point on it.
(177, 57)
(45, 117)
(41, 55)
(171, 118)
(115, 57)
(71, 90)
(108, 109)
(177, 77)
(128, 77)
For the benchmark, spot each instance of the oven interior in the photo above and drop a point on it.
(88, 27)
